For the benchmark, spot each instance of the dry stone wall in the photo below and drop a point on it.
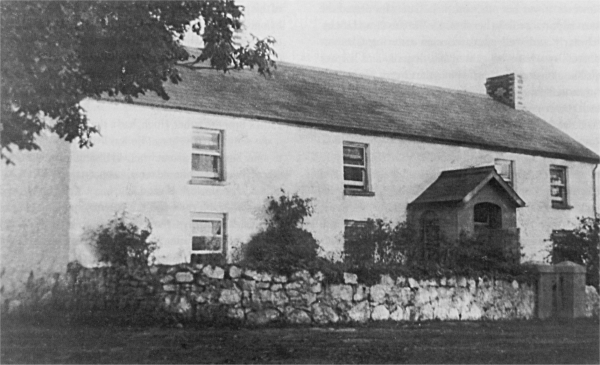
(204, 293)
(198, 292)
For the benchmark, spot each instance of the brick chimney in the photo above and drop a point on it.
(507, 89)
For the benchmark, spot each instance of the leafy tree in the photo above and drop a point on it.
(580, 245)
(56, 53)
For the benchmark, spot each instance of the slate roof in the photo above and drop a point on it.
(454, 186)
(351, 103)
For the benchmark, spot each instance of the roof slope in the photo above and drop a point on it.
(455, 186)
(352, 103)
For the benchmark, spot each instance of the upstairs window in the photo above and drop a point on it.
(505, 168)
(208, 233)
(356, 177)
(558, 186)
(487, 215)
(207, 154)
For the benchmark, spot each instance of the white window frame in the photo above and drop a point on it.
(353, 185)
(210, 217)
(562, 201)
(202, 175)
(511, 166)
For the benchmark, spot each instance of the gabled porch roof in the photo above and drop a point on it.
(460, 186)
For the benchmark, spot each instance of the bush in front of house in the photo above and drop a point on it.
(283, 245)
(579, 245)
(378, 241)
(379, 247)
(497, 255)
(122, 242)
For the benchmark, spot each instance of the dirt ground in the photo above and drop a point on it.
(428, 342)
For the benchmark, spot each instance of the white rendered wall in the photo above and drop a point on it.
(142, 164)
(34, 205)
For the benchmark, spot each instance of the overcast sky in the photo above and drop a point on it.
(555, 45)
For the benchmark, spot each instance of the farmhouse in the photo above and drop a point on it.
(200, 165)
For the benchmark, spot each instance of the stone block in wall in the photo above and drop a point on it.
(301, 275)
(413, 283)
(298, 316)
(380, 313)
(323, 314)
(236, 313)
(400, 296)
(398, 315)
(400, 281)
(461, 282)
(386, 280)
(293, 286)
(235, 272)
(263, 285)
(339, 293)
(318, 276)
(169, 287)
(247, 285)
(472, 284)
(360, 312)
(184, 277)
(472, 313)
(214, 272)
(230, 296)
(276, 287)
(350, 278)
(303, 300)
(316, 288)
(263, 316)
(362, 293)
(440, 312)
(378, 292)
(280, 279)
(266, 298)
(493, 314)
(206, 297)
(425, 312)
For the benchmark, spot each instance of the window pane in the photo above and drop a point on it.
(557, 192)
(206, 140)
(210, 165)
(206, 228)
(354, 156)
(200, 243)
(207, 235)
(557, 176)
(355, 174)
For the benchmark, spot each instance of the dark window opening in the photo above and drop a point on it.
(430, 233)
(487, 215)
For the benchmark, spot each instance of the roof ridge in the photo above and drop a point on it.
(382, 79)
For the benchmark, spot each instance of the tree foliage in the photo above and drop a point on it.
(56, 53)
(580, 245)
